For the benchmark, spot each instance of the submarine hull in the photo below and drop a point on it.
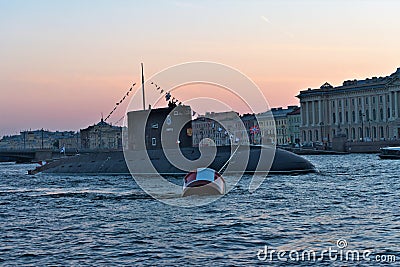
(260, 160)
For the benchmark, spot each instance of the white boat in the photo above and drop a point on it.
(203, 181)
(390, 153)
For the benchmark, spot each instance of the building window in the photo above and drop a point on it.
(366, 100)
(373, 99)
(334, 117)
(380, 99)
(381, 114)
(316, 135)
(367, 114)
(333, 103)
(388, 113)
(347, 116)
(340, 117)
(353, 114)
(353, 133)
(374, 114)
(153, 141)
(352, 101)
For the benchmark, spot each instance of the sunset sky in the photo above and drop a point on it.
(63, 63)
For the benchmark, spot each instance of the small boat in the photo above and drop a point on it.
(390, 153)
(203, 181)
(33, 172)
(38, 168)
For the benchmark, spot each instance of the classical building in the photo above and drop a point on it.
(252, 133)
(225, 128)
(13, 142)
(294, 123)
(359, 109)
(36, 139)
(275, 126)
(101, 136)
(220, 128)
(281, 124)
(70, 143)
(266, 124)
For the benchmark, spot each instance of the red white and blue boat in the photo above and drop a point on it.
(203, 181)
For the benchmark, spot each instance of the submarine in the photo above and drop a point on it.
(160, 141)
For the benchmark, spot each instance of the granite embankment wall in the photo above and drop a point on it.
(362, 147)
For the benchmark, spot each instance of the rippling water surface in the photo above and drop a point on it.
(109, 220)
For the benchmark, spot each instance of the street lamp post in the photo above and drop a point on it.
(362, 127)
(369, 129)
(77, 141)
(201, 135)
(42, 138)
(24, 140)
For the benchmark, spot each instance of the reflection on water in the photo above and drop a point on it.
(109, 220)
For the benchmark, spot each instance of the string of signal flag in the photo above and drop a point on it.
(166, 93)
(120, 102)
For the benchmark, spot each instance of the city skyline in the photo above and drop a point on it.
(65, 63)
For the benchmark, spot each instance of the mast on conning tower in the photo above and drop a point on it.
(144, 99)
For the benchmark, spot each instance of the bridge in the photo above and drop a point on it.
(26, 156)
(29, 155)
(36, 155)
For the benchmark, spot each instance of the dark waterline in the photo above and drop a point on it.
(109, 220)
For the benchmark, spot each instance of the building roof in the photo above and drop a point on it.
(102, 124)
(296, 111)
(281, 112)
(248, 117)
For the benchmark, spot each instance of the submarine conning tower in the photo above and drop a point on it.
(161, 121)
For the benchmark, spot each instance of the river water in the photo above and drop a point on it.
(353, 204)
